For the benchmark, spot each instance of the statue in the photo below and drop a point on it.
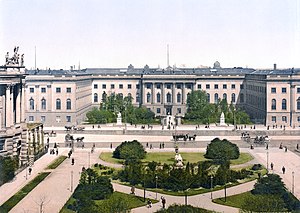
(119, 119)
(15, 59)
(7, 58)
(178, 160)
(222, 120)
(22, 60)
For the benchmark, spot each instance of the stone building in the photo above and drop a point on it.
(62, 97)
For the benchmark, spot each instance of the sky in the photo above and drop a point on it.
(116, 33)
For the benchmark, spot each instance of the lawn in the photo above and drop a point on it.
(134, 201)
(56, 162)
(14, 200)
(234, 200)
(168, 157)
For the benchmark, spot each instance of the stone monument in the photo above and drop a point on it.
(119, 119)
(178, 160)
(222, 120)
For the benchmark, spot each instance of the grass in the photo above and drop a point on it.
(234, 200)
(56, 162)
(14, 200)
(134, 201)
(168, 157)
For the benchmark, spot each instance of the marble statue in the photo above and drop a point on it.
(222, 119)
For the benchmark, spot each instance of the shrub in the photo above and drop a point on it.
(130, 150)
(222, 150)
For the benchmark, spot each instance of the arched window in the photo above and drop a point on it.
(43, 104)
(225, 96)
(298, 103)
(168, 97)
(242, 98)
(208, 97)
(58, 103)
(104, 96)
(31, 104)
(148, 97)
(120, 95)
(216, 98)
(158, 97)
(178, 98)
(283, 104)
(273, 107)
(233, 98)
(95, 97)
(69, 103)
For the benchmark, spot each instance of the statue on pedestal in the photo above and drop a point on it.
(222, 120)
(119, 119)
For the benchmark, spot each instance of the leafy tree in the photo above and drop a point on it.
(8, 166)
(222, 150)
(130, 150)
(175, 208)
(263, 203)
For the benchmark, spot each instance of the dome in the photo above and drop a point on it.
(217, 65)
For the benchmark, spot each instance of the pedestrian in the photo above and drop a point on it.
(151, 146)
(111, 145)
(272, 165)
(297, 147)
(149, 203)
(283, 170)
(73, 161)
(93, 126)
(280, 146)
(133, 190)
(147, 144)
(48, 140)
(163, 145)
(285, 149)
(69, 154)
(56, 151)
(160, 145)
(267, 146)
(55, 145)
(163, 201)
(251, 147)
(29, 170)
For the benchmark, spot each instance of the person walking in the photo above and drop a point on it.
(163, 201)
(272, 166)
(283, 169)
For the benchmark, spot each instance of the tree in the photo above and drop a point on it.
(8, 166)
(129, 150)
(263, 203)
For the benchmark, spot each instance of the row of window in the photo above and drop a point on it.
(57, 90)
(158, 110)
(283, 90)
(284, 104)
(44, 104)
(112, 86)
(58, 118)
(283, 119)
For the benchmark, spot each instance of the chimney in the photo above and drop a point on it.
(275, 66)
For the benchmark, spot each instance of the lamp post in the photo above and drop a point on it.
(293, 182)
(156, 177)
(144, 189)
(267, 161)
(71, 181)
(225, 188)
(211, 186)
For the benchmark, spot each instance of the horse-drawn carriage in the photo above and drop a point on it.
(185, 137)
(75, 128)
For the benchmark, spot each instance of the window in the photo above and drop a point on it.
(284, 119)
(31, 104)
(158, 97)
(43, 104)
(169, 97)
(43, 90)
(148, 97)
(189, 86)
(137, 98)
(199, 86)
(298, 90)
(120, 86)
(43, 119)
(298, 103)
(224, 86)
(57, 119)
(207, 86)
(179, 110)
(274, 119)
(112, 86)
(216, 86)
(283, 104)
(95, 86)
(137, 86)
(178, 97)
(31, 90)
(225, 96)
(2, 142)
(103, 86)
(148, 86)
(69, 104)
(283, 90)
(242, 86)
(58, 104)
(232, 86)
(31, 118)
(158, 86)
(168, 86)
(273, 107)
(216, 98)
(233, 97)
(129, 86)
(273, 90)
(95, 98)
(208, 97)
(242, 98)
(158, 110)
(178, 86)
(298, 119)
(69, 90)
(58, 90)
(68, 118)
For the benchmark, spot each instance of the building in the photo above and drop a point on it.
(62, 97)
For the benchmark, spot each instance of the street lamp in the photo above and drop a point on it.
(156, 177)
(144, 188)
(293, 182)
(211, 186)
(71, 181)
(267, 161)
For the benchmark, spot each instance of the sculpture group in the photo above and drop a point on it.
(15, 60)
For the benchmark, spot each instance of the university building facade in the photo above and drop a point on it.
(63, 97)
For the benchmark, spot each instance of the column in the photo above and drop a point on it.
(174, 93)
(163, 93)
(183, 93)
(18, 104)
(23, 102)
(12, 105)
(7, 106)
(152, 93)
(292, 103)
